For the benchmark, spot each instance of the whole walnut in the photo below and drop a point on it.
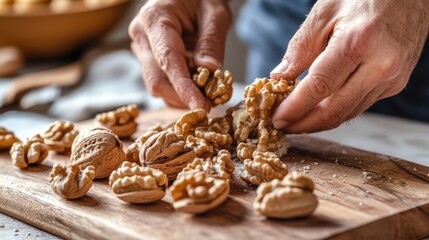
(291, 197)
(167, 152)
(100, 148)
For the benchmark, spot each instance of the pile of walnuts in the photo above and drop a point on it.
(197, 154)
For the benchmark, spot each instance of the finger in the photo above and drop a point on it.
(308, 42)
(155, 80)
(327, 74)
(213, 28)
(346, 103)
(169, 51)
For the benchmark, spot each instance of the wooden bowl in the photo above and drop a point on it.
(44, 33)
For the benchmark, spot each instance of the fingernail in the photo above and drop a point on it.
(281, 68)
(211, 60)
(280, 124)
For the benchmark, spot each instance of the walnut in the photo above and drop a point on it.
(270, 139)
(215, 135)
(135, 184)
(60, 136)
(264, 167)
(220, 166)
(189, 121)
(245, 151)
(100, 148)
(31, 151)
(7, 139)
(291, 197)
(199, 146)
(167, 152)
(71, 182)
(132, 152)
(121, 121)
(217, 88)
(197, 192)
(264, 95)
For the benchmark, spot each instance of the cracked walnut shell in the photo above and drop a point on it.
(100, 148)
(189, 121)
(264, 167)
(291, 197)
(7, 139)
(132, 151)
(71, 182)
(197, 192)
(31, 151)
(60, 136)
(167, 152)
(121, 121)
(135, 184)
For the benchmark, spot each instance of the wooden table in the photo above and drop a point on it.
(361, 195)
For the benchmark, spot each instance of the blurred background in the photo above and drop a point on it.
(70, 59)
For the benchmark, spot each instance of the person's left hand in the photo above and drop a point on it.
(358, 52)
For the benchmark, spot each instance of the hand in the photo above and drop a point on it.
(164, 31)
(371, 50)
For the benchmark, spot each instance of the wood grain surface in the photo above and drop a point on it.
(362, 196)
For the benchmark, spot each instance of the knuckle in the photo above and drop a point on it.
(320, 85)
(331, 118)
(134, 30)
(162, 54)
(389, 68)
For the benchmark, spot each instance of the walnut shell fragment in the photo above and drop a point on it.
(132, 152)
(7, 139)
(197, 192)
(167, 152)
(31, 151)
(135, 184)
(291, 197)
(264, 167)
(121, 121)
(189, 121)
(71, 182)
(60, 136)
(217, 87)
(100, 148)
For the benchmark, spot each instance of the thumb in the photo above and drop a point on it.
(307, 43)
(213, 27)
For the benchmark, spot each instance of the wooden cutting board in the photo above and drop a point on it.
(361, 194)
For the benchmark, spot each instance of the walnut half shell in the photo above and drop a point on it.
(197, 192)
(291, 197)
(100, 148)
(71, 182)
(167, 152)
(135, 184)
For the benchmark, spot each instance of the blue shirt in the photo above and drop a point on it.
(267, 26)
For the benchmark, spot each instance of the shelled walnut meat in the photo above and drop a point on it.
(31, 151)
(199, 146)
(291, 197)
(167, 152)
(71, 182)
(197, 192)
(135, 184)
(189, 121)
(121, 121)
(264, 167)
(220, 166)
(100, 148)
(60, 136)
(7, 139)
(216, 87)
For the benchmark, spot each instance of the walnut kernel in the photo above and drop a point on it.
(121, 121)
(71, 182)
(31, 151)
(264, 167)
(60, 136)
(7, 139)
(189, 121)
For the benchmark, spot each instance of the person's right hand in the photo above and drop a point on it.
(163, 32)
